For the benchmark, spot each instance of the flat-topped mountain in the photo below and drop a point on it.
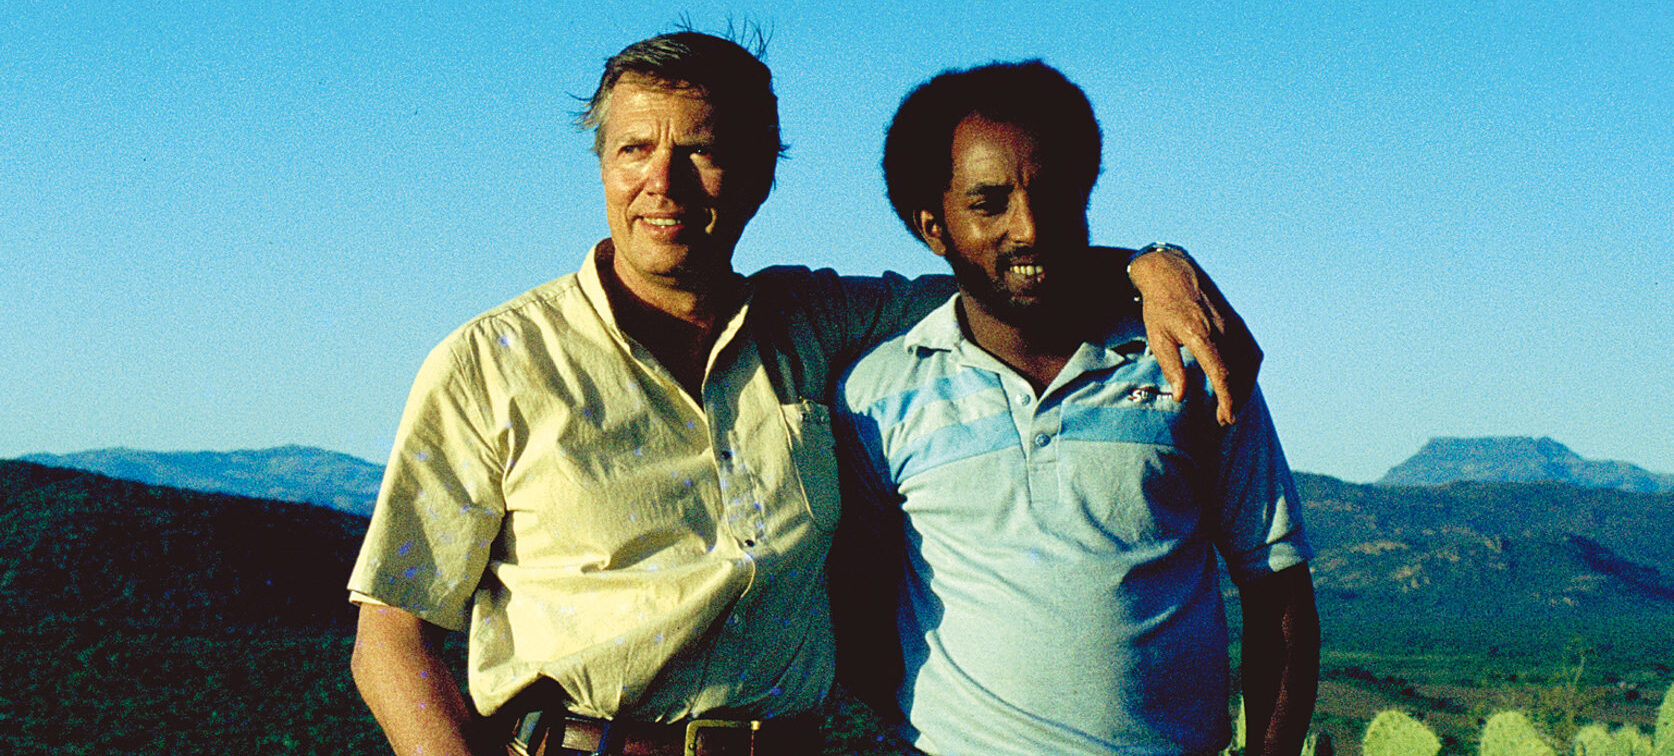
(1518, 459)
(286, 473)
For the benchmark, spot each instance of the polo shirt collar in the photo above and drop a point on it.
(940, 331)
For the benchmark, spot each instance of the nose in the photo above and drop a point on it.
(659, 171)
(1020, 226)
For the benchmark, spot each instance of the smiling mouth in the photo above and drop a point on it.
(1027, 275)
(702, 220)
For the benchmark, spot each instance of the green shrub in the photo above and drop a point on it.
(1240, 732)
(1592, 740)
(1393, 733)
(1510, 733)
(1317, 744)
(1629, 741)
(1664, 741)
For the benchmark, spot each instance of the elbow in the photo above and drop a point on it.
(374, 634)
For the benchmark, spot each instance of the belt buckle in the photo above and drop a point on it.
(528, 733)
(696, 726)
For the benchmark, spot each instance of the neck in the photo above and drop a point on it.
(1037, 349)
(678, 325)
(698, 301)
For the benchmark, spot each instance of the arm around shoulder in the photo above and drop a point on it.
(1183, 308)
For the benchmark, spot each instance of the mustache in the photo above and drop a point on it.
(1006, 258)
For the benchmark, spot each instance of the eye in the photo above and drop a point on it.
(703, 154)
(991, 202)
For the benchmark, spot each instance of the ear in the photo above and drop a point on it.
(933, 232)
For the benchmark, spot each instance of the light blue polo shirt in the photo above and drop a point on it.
(1062, 593)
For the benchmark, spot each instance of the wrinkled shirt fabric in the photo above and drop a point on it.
(1062, 593)
(554, 491)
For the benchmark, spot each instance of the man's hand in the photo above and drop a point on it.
(1183, 308)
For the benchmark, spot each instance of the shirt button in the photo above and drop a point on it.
(1024, 399)
(1041, 439)
(726, 455)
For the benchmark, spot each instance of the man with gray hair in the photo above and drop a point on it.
(622, 483)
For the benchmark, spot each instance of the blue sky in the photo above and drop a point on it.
(241, 225)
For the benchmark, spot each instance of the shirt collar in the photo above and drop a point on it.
(940, 331)
(593, 287)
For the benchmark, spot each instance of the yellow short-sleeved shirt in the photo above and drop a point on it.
(553, 490)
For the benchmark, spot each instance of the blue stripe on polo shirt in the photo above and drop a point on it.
(953, 443)
(891, 410)
(1122, 425)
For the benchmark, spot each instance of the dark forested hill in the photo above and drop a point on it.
(106, 550)
(142, 619)
(78, 546)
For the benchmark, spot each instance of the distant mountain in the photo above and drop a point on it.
(78, 548)
(287, 473)
(1476, 553)
(1518, 459)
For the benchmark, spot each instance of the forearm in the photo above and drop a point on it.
(1280, 664)
(408, 686)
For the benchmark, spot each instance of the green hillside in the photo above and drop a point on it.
(1488, 552)
(1451, 602)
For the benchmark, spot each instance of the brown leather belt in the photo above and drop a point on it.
(554, 733)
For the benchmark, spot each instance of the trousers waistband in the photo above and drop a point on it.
(536, 723)
(555, 733)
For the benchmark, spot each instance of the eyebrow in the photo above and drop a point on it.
(981, 190)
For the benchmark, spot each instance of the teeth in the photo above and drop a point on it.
(1026, 270)
(664, 222)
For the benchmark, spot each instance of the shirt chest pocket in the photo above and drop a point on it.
(1134, 477)
(813, 454)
